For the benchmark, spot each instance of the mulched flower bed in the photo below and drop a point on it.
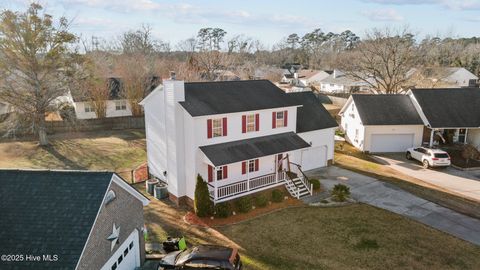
(192, 219)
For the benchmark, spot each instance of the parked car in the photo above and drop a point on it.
(203, 257)
(429, 157)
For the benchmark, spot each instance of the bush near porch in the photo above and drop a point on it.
(464, 156)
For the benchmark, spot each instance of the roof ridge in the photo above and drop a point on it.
(250, 80)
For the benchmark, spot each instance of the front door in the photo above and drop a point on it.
(461, 135)
(280, 162)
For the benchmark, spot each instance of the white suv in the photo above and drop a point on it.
(429, 157)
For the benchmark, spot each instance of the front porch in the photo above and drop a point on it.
(220, 193)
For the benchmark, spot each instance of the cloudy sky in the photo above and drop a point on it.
(267, 20)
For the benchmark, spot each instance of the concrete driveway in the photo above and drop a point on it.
(464, 183)
(389, 197)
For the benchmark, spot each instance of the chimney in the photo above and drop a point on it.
(295, 75)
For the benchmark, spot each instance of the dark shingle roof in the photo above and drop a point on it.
(450, 107)
(386, 110)
(207, 98)
(312, 115)
(231, 152)
(48, 212)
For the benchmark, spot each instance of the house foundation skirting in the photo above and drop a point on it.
(181, 201)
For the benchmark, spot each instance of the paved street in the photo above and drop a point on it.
(389, 197)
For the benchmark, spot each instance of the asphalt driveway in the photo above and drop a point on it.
(389, 197)
(464, 183)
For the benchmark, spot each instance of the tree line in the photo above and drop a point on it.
(41, 60)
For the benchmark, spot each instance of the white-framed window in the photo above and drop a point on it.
(217, 127)
(280, 121)
(251, 123)
(221, 172)
(88, 107)
(120, 105)
(253, 165)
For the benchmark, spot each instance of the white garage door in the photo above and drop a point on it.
(390, 142)
(314, 158)
(127, 256)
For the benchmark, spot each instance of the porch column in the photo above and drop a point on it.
(465, 139)
(216, 189)
(248, 175)
(276, 168)
(431, 138)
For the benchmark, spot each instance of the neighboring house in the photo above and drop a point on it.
(449, 115)
(306, 77)
(433, 77)
(338, 82)
(71, 220)
(117, 104)
(5, 108)
(381, 123)
(392, 123)
(240, 136)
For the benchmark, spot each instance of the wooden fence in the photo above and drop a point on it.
(111, 123)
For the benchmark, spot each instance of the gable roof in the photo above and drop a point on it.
(450, 107)
(49, 212)
(312, 115)
(386, 110)
(236, 151)
(208, 98)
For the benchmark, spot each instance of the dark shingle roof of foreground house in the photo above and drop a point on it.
(231, 152)
(312, 115)
(208, 98)
(49, 212)
(450, 108)
(386, 110)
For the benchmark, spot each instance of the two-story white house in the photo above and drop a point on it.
(240, 136)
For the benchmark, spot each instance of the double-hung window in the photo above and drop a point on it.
(279, 119)
(250, 122)
(120, 105)
(88, 107)
(217, 127)
(250, 166)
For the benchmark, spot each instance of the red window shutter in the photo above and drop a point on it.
(256, 164)
(257, 122)
(285, 118)
(274, 119)
(210, 173)
(244, 124)
(225, 126)
(225, 172)
(209, 128)
(244, 167)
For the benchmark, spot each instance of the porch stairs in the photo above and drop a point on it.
(297, 185)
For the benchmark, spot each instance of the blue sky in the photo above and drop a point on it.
(266, 20)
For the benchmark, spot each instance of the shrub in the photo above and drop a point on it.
(340, 192)
(244, 204)
(261, 200)
(223, 210)
(203, 204)
(277, 195)
(67, 113)
(315, 183)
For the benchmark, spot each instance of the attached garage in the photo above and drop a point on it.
(381, 143)
(314, 157)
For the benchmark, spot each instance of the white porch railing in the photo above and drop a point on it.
(245, 186)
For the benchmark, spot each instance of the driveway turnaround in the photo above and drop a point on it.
(383, 195)
(463, 183)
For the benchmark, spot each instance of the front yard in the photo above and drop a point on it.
(351, 237)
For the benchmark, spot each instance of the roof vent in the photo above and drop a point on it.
(110, 197)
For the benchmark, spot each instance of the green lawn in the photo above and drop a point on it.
(353, 237)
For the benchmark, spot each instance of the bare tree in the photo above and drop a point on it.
(382, 60)
(36, 63)
(141, 41)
